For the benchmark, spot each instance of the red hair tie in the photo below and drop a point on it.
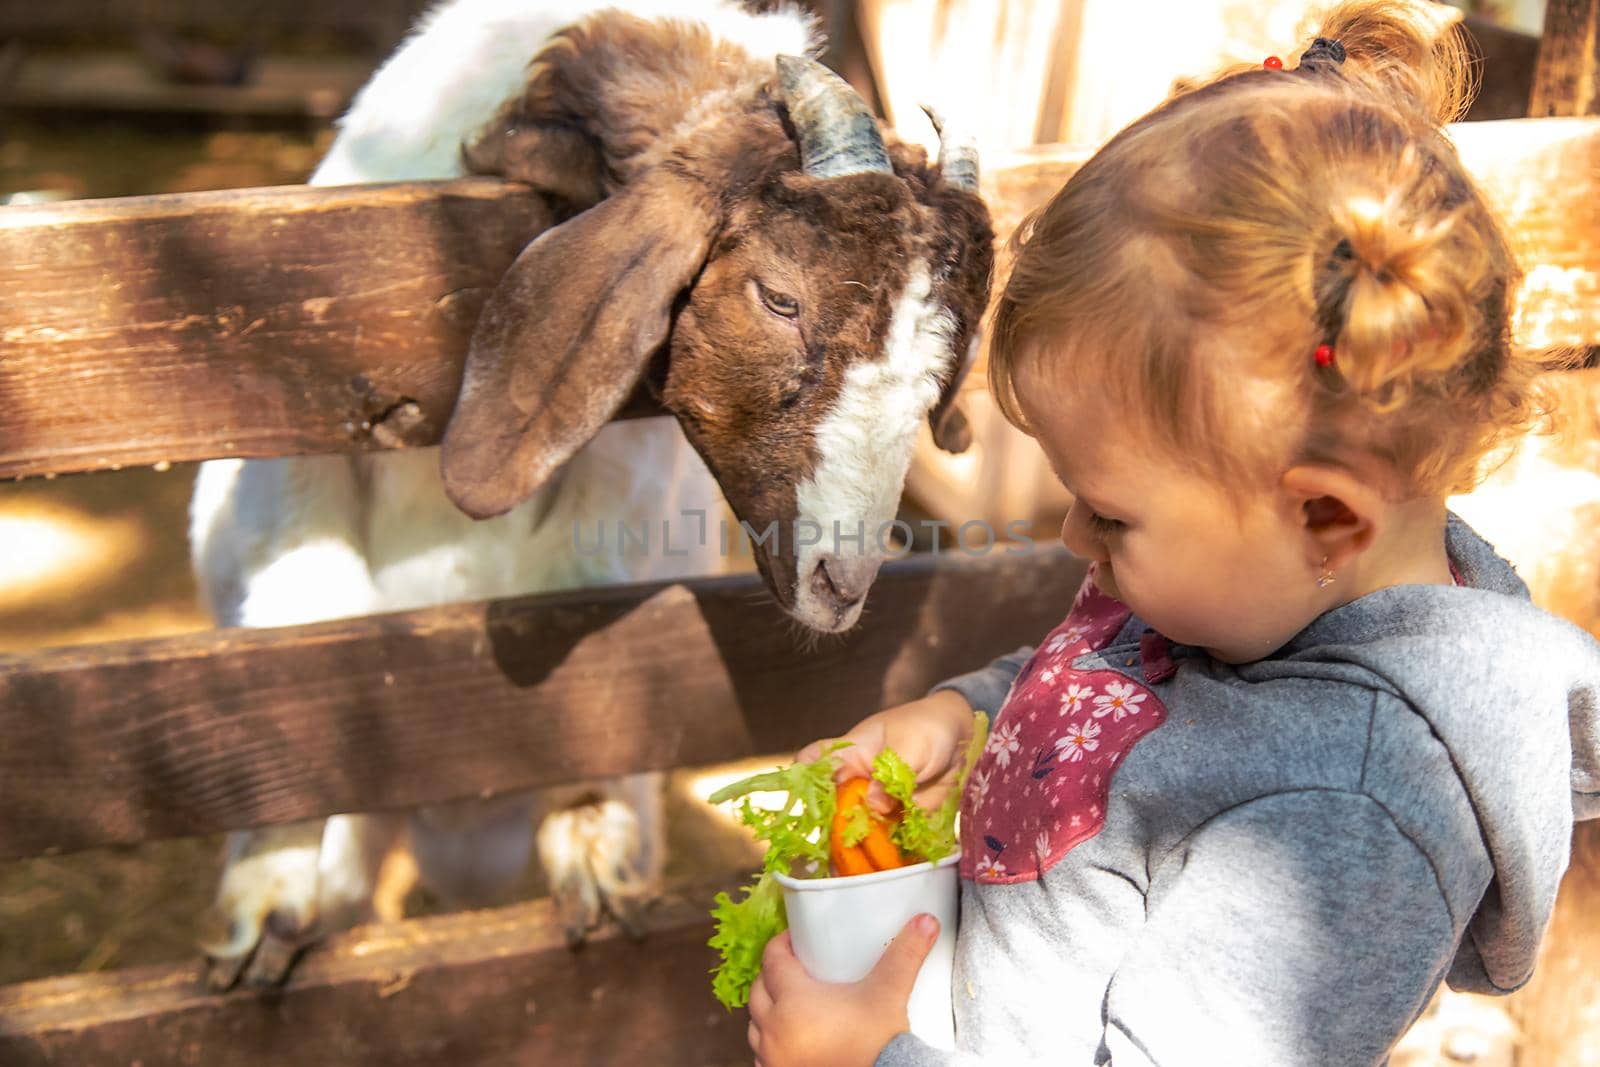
(1324, 355)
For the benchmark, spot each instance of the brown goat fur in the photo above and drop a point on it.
(706, 237)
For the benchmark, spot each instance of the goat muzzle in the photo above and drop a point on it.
(839, 583)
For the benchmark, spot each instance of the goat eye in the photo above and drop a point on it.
(779, 304)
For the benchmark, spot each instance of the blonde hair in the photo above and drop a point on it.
(1191, 268)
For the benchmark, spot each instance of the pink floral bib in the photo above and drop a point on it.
(1040, 787)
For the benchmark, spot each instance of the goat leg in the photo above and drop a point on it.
(564, 842)
(267, 904)
(284, 886)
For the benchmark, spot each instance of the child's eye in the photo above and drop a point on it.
(1104, 527)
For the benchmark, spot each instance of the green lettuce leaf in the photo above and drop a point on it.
(742, 932)
(857, 825)
(921, 833)
(797, 835)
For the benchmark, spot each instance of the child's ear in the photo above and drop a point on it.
(1338, 510)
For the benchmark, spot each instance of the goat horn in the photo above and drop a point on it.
(958, 154)
(838, 135)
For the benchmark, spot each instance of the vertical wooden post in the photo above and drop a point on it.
(847, 52)
(1558, 1011)
(1566, 80)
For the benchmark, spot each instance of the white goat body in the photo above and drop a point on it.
(283, 542)
(292, 541)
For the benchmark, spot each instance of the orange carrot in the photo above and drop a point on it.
(850, 859)
(884, 853)
(874, 853)
(851, 792)
(847, 859)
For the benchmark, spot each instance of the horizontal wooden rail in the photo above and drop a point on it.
(277, 88)
(490, 987)
(235, 728)
(85, 18)
(295, 320)
(254, 323)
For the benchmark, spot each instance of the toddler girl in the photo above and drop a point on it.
(1302, 749)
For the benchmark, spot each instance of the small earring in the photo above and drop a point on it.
(1325, 579)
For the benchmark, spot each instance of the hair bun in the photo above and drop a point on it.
(1398, 293)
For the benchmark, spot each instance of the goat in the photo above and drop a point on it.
(740, 238)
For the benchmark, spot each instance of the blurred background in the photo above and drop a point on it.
(102, 98)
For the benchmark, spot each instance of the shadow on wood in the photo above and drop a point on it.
(237, 728)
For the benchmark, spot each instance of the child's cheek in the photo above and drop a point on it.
(1105, 576)
(1126, 579)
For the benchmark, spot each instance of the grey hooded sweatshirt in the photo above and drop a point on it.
(1173, 861)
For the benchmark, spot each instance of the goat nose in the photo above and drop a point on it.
(842, 581)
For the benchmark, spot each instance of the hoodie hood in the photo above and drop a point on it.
(1518, 709)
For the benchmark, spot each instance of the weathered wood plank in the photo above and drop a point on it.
(1024, 179)
(480, 988)
(1543, 177)
(235, 728)
(1558, 1011)
(1566, 79)
(257, 322)
(315, 88)
(297, 320)
(1508, 58)
(378, 22)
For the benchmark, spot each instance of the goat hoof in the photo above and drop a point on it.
(259, 959)
(283, 938)
(630, 913)
(578, 911)
(266, 909)
(590, 851)
(222, 972)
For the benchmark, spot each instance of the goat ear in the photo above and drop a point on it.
(557, 161)
(951, 431)
(565, 337)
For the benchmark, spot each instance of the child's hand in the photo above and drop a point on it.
(930, 734)
(797, 1021)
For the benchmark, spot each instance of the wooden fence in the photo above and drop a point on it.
(376, 24)
(261, 323)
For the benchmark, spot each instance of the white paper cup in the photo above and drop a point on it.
(841, 926)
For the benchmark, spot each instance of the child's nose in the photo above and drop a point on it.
(1079, 538)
